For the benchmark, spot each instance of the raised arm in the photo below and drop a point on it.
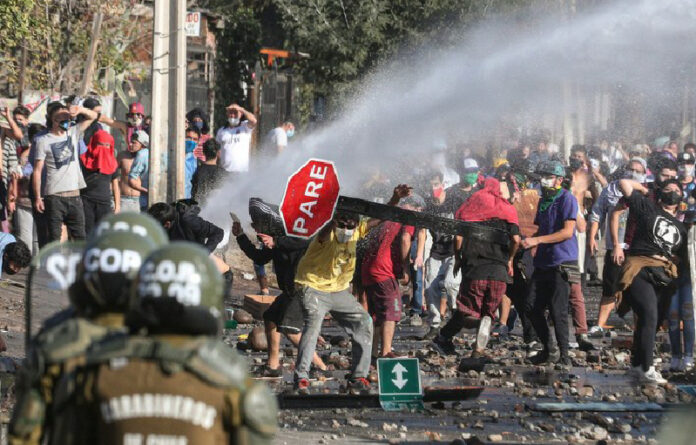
(627, 187)
(15, 132)
(119, 125)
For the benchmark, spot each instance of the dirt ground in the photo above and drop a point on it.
(505, 412)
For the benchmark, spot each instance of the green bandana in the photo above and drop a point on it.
(548, 196)
(471, 178)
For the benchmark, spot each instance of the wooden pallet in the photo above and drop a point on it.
(256, 305)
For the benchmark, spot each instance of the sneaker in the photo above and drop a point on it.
(545, 358)
(272, 373)
(596, 332)
(652, 376)
(358, 386)
(688, 363)
(415, 320)
(484, 332)
(444, 346)
(302, 386)
(432, 333)
(676, 365)
(583, 343)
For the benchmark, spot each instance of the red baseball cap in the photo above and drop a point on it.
(136, 108)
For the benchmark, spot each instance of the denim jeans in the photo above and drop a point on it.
(66, 210)
(416, 282)
(348, 313)
(682, 309)
(440, 284)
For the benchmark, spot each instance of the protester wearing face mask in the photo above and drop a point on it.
(198, 119)
(656, 257)
(191, 163)
(666, 170)
(555, 262)
(134, 121)
(235, 139)
(599, 217)
(441, 286)
(278, 137)
(322, 283)
(58, 153)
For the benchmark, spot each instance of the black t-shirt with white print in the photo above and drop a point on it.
(657, 232)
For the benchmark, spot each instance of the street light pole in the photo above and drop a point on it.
(159, 109)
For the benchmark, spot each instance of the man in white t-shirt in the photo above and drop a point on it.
(235, 139)
(278, 137)
(58, 153)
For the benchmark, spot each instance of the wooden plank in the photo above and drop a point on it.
(594, 407)
(329, 401)
(420, 219)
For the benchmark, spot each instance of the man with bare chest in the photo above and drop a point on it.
(130, 197)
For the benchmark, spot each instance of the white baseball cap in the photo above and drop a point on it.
(470, 164)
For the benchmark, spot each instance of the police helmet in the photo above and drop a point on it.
(109, 264)
(137, 223)
(178, 290)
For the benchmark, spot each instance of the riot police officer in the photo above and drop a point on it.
(99, 298)
(184, 386)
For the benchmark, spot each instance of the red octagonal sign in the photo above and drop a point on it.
(310, 198)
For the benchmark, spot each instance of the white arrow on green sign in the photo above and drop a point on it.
(399, 383)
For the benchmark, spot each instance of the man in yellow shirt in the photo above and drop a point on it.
(322, 283)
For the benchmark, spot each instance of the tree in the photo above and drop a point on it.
(56, 36)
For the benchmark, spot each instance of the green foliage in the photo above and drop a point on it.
(57, 36)
(348, 38)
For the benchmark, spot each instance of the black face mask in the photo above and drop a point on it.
(575, 164)
(671, 198)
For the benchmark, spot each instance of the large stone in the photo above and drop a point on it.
(257, 339)
(243, 317)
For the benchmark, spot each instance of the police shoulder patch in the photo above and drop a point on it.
(218, 364)
(68, 339)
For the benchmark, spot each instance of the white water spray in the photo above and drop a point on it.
(496, 74)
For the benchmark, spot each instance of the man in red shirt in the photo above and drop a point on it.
(386, 258)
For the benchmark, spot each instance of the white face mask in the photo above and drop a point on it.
(233, 121)
(135, 121)
(640, 177)
(344, 235)
(548, 182)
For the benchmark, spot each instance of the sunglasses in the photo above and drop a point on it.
(345, 225)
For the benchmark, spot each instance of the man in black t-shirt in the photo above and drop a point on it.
(208, 175)
(659, 241)
(486, 267)
(100, 171)
(441, 286)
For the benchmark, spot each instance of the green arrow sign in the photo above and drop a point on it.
(399, 383)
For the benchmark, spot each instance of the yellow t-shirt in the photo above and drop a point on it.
(328, 266)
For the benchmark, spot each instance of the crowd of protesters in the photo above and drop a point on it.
(536, 222)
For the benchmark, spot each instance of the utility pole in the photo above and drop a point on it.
(159, 109)
(177, 100)
(89, 66)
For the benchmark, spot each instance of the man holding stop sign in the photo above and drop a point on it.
(322, 283)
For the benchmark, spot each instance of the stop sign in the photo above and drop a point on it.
(310, 198)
